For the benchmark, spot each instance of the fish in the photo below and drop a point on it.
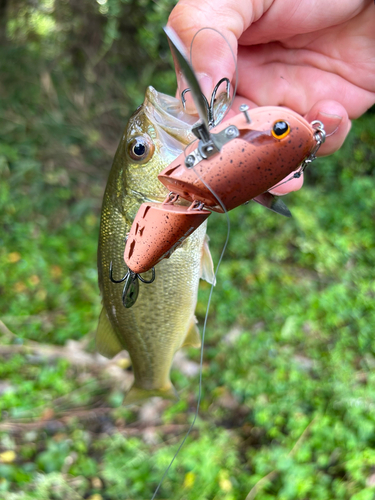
(162, 320)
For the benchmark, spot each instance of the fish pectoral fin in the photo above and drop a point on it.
(107, 342)
(193, 337)
(138, 395)
(207, 265)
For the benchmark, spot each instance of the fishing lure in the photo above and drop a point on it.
(226, 166)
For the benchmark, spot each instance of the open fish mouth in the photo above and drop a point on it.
(170, 119)
(167, 113)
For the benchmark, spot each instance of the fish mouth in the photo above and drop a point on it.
(147, 199)
(167, 113)
(172, 124)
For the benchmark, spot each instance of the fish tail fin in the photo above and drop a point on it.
(138, 395)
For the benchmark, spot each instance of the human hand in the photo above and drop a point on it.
(316, 57)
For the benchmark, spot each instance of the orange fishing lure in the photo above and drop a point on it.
(238, 160)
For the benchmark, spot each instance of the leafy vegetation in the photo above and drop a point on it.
(288, 375)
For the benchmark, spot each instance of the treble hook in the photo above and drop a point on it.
(214, 92)
(209, 107)
(111, 276)
(131, 287)
(183, 100)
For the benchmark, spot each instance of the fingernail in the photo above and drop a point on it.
(331, 122)
(205, 83)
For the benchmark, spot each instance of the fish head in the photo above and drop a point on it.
(156, 134)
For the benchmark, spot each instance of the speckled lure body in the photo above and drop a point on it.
(269, 144)
(248, 165)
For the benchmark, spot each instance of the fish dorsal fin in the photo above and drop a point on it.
(192, 338)
(207, 266)
(107, 342)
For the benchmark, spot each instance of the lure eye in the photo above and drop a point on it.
(280, 129)
(141, 149)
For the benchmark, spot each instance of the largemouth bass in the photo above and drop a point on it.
(162, 320)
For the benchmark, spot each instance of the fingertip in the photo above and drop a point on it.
(336, 123)
(287, 185)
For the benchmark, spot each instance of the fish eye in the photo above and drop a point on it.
(141, 149)
(280, 129)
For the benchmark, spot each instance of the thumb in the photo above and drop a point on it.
(210, 55)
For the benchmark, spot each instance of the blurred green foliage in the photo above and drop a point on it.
(290, 346)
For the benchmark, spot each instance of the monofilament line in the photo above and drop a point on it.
(203, 337)
(234, 60)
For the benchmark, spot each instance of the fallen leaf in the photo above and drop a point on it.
(8, 456)
(14, 257)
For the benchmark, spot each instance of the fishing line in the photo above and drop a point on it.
(203, 334)
(234, 60)
(203, 338)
